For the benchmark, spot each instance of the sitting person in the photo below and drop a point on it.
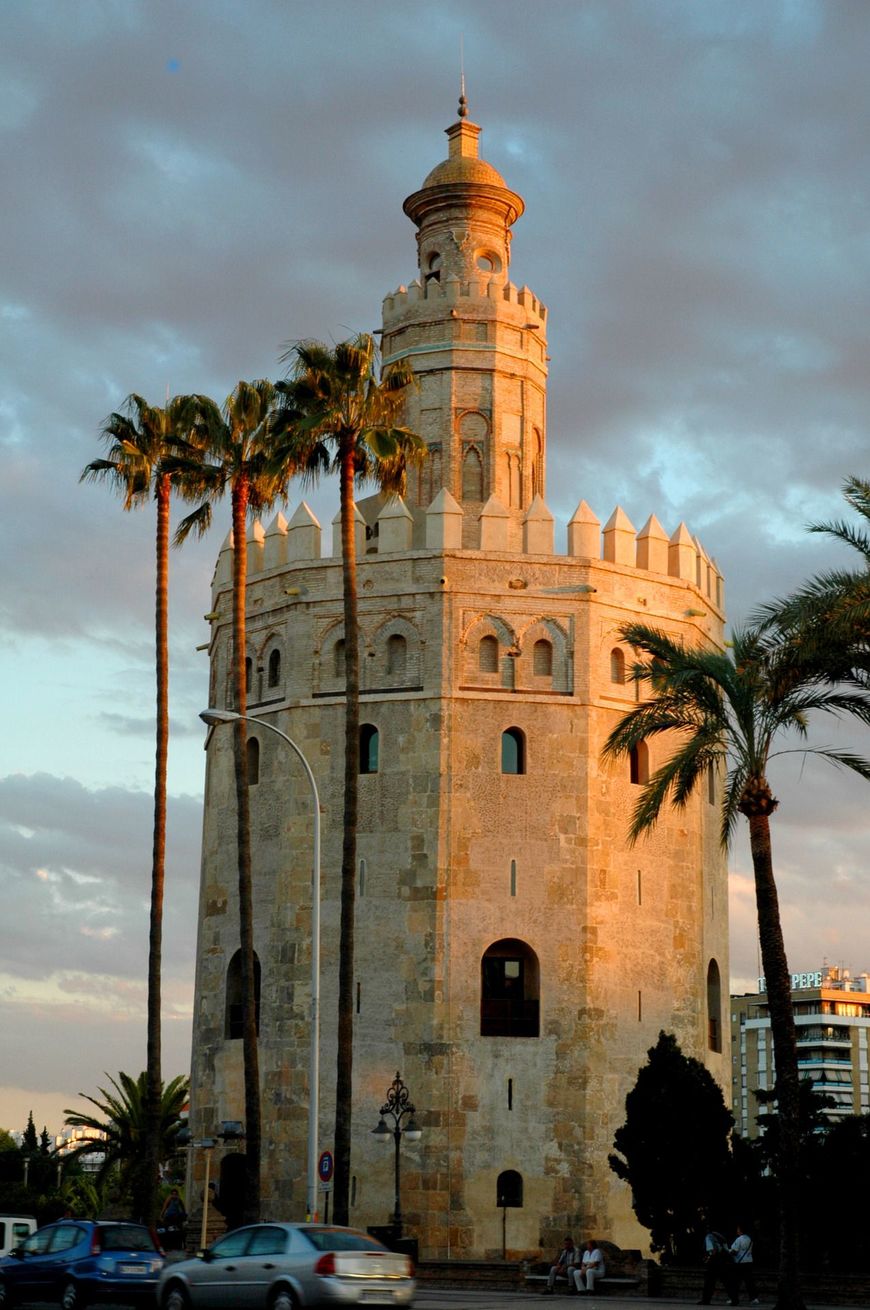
(564, 1266)
(172, 1220)
(591, 1267)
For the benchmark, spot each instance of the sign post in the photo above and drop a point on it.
(325, 1169)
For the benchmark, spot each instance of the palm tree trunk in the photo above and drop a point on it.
(250, 1050)
(344, 1060)
(154, 1076)
(778, 984)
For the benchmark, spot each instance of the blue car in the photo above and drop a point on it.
(78, 1261)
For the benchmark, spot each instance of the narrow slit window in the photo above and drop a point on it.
(358, 996)
(513, 877)
(714, 1007)
(362, 877)
(510, 1093)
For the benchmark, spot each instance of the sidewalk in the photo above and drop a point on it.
(438, 1298)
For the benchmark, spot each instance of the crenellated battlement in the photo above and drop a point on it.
(395, 531)
(453, 291)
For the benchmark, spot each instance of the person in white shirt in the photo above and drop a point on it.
(591, 1267)
(741, 1254)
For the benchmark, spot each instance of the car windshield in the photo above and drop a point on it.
(126, 1237)
(341, 1239)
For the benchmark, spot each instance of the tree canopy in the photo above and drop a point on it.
(673, 1149)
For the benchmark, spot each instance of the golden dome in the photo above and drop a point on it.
(464, 169)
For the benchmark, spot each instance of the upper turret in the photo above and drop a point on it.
(463, 212)
(476, 342)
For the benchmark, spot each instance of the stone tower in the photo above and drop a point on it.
(515, 959)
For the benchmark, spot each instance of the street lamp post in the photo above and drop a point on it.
(215, 717)
(207, 1144)
(398, 1106)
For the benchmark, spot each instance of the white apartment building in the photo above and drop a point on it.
(832, 1017)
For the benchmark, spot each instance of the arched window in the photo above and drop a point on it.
(509, 1189)
(638, 764)
(714, 1007)
(513, 751)
(542, 659)
(509, 990)
(472, 475)
(617, 666)
(487, 655)
(252, 753)
(234, 1015)
(338, 658)
(368, 748)
(274, 676)
(397, 654)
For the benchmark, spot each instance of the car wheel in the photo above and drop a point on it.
(175, 1298)
(283, 1299)
(71, 1297)
(7, 1300)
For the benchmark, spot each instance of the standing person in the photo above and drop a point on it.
(717, 1265)
(564, 1266)
(741, 1253)
(591, 1267)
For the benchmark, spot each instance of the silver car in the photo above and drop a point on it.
(287, 1266)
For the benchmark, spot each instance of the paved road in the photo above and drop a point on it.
(438, 1298)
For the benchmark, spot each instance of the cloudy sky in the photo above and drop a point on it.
(190, 184)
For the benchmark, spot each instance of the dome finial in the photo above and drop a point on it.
(463, 103)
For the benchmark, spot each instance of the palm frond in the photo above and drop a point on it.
(197, 523)
(844, 759)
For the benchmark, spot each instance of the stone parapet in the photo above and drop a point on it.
(680, 555)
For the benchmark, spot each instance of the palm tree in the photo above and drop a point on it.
(334, 414)
(728, 710)
(233, 450)
(139, 440)
(119, 1129)
(829, 616)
